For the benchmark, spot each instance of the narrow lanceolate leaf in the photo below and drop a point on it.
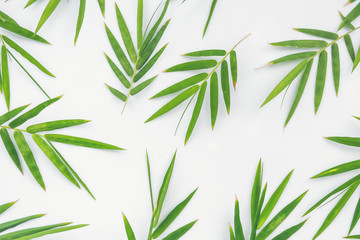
(300, 91)
(102, 6)
(287, 80)
(11, 114)
(16, 222)
(129, 231)
(77, 141)
(349, 26)
(32, 113)
(206, 53)
(269, 207)
(335, 66)
(172, 216)
(336, 210)
(53, 125)
(182, 85)
(80, 19)
(214, 98)
(320, 79)
(117, 93)
(26, 55)
(356, 216)
(162, 192)
(180, 232)
(233, 67)
(5, 88)
(196, 112)
(342, 168)
(239, 233)
(54, 158)
(257, 215)
(28, 157)
(232, 235)
(225, 85)
(350, 47)
(140, 13)
(49, 9)
(353, 237)
(174, 102)
(15, 28)
(212, 8)
(289, 232)
(118, 72)
(194, 65)
(349, 141)
(125, 34)
(6, 206)
(351, 16)
(318, 33)
(142, 86)
(255, 194)
(301, 43)
(6, 18)
(119, 52)
(279, 218)
(10, 148)
(357, 59)
(149, 64)
(293, 57)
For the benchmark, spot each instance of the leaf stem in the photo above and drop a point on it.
(17, 129)
(132, 83)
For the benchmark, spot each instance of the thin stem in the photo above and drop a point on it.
(17, 129)
(151, 227)
(149, 177)
(182, 115)
(132, 83)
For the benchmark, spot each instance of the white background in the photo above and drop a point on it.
(221, 162)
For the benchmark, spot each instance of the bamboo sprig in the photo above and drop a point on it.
(157, 228)
(43, 141)
(197, 84)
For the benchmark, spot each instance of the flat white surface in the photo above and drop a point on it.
(221, 162)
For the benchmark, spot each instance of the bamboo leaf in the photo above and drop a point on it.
(149, 180)
(142, 86)
(214, 98)
(102, 6)
(125, 34)
(289, 232)
(180, 232)
(320, 79)
(28, 157)
(117, 93)
(80, 19)
(350, 47)
(54, 125)
(232, 235)
(6, 206)
(16, 222)
(356, 217)
(318, 33)
(353, 237)
(15, 28)
(357, 60)
(293, 57)
(77, 141)
(10, 148)
(196, 112)
(349, 141)
(225, 84)
(206, 53)
(118, 72)
(256, 190)
(346, 167)
(257, 215)
(5, 76)
(194, 65)
(175, 102)
(11, 114)
(212, 8)
(239, 233)
(49, 9)
(140, 12)
(301, 43)
(351, 16)
(129, 232)
(335, 56)
(233, 67)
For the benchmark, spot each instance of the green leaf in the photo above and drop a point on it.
(118, 72)
(6, 206)
(117, 93)
(318, 33)
(129, 232)
(346, 167)
(269, 207)
(10, 148)
(142, 86)
(140, 13)
(349, 26)
(162, 192)
(279, 218)
(30, 2)
(293, 57)
(180, 232)
(102, 6)
(233, 67)
(212, 8)
(206, 53)
(214, 98)
(6, 18)
(353, 237)
(5, 87)
(11, 114)
(239, 233)
(336, 210)
(351, 16)
(53, 125)
(196, 112)
(15, 28)
(349, 141)
(54, 158)
(172, 216)
(257, 215)
(32, 113)
(357, 60)
(77, 141)
(125, 34)
(289, 232)
(355, 217)
(182, 85)
(28, 157)
(320, 79)
(26, 55)
(51, 231)
(255, 194)
(14, 223)
(225, 84)
(174, 102)
(350, 47)
(287, 80)
(119, 52)
(47, 13)
(80, 19)
(300, 91)
(232, 235)
(149, 180)
(301, 43)
(335, 66)
(194, 65)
